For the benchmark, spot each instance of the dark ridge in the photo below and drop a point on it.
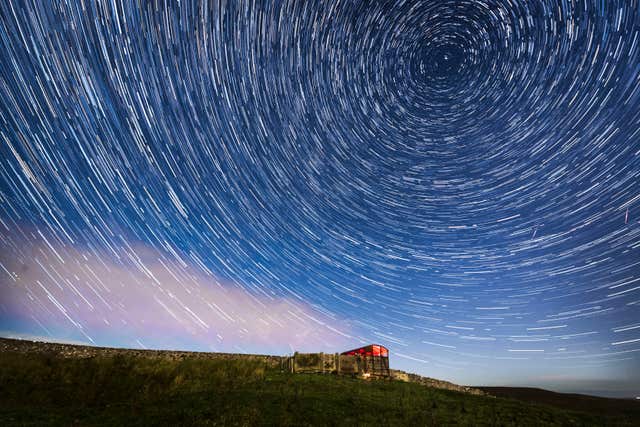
(570, 401)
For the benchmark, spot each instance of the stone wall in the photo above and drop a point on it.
(431, 382)
(83, 351)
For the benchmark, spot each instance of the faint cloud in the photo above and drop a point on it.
(143, 298)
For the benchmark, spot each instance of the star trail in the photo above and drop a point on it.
(456, 180)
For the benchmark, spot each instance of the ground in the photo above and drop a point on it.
(48, 389)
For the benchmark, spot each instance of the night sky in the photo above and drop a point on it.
(457, 180)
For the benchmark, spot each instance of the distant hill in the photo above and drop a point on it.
(571, 401)
(56, 384)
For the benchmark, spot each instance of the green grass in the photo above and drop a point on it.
(40, 389)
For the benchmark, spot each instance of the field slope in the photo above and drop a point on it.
(48, 388)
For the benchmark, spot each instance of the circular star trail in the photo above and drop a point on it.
(458, 180)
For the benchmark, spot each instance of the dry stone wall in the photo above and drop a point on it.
(431, 382)
(82, 351)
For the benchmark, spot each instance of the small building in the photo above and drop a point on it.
(373, 360)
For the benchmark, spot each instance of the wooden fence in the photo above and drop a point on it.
(335, 363)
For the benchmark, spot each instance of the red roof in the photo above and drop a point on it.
(369, 350)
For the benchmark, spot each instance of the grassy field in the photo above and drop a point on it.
(42, 389)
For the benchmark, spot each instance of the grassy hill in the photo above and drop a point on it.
(48, 388)
(570, 401)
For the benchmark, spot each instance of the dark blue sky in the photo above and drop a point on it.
(456, 180)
